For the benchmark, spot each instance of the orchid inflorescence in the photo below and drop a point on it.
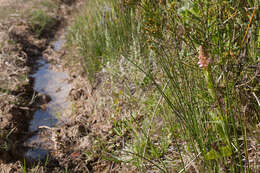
(204, 59)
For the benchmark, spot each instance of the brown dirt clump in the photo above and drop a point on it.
(15, 95)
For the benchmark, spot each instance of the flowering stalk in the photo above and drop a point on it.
(217, 114)
(204, 63)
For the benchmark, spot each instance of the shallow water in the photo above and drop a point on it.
(58, 44)
(54, 84)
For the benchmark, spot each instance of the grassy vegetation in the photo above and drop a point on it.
(173, 114)
(41, 22)
(42, 16)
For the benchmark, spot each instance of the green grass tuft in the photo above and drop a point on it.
(41, 22)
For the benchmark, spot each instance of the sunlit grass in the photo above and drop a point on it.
(180, 115)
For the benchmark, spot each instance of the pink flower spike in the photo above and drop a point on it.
(204, 59)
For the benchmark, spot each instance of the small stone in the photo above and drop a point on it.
(43, 98)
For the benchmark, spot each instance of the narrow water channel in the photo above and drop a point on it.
(55, 85)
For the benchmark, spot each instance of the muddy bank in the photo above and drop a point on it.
(16, 105)
(19, 99)
(54, 86)
(75, 143)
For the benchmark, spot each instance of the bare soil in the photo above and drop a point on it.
(77, 142)
(18, 50)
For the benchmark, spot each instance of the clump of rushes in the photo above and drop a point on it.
(160, 38)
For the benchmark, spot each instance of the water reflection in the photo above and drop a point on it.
(54, 84)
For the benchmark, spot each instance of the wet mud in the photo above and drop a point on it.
(40, 104)
(55, 126)
(55, 87)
